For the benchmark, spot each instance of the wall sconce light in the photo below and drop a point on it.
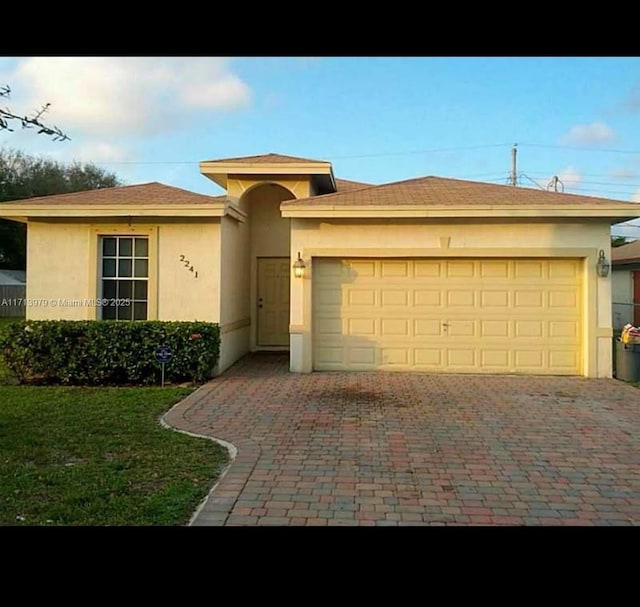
(602, 267)
(298, 267)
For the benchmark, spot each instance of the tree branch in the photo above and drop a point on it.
(7, 116)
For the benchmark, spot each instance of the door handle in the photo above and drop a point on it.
(260, 302)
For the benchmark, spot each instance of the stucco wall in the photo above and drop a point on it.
(235, 290)
(62, 264)
(416, 238)
(57, 267)
(182, 296)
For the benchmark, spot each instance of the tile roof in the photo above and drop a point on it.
(263, 158)
(153, 193)
(441, 191)
(627, 252)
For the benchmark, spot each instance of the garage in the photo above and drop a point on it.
(455, 315)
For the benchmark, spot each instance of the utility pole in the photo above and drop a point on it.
(513, 177)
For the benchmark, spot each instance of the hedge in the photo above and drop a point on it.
(108, 352)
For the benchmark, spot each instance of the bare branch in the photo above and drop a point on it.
(6, 116)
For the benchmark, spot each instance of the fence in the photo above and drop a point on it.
(12, 300)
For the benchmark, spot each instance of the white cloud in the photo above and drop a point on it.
(636, 196)
(100, 152)
(570, 177)
(117, 96)
(589, 134)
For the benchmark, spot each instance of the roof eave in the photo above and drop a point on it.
(294, 209)
(219, 172)
(21, 212)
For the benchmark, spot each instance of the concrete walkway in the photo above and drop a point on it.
(417, 449)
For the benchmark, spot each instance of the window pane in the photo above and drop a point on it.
(140, 310)
(140, 289)
(108, 267)
(125, 247)
(141, 267)
(109, 313)
(109, 289)
(124, 312)
(109, 247)
(142, 247)
(125, 289)
(124, 267)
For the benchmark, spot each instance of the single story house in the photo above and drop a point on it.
(625, 284)
(13, 291)
(427, 274)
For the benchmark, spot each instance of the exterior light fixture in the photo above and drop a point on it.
(298, 267)
(602, 267)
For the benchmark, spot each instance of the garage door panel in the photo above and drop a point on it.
(361, 326)
(427, 358)
(461, 298)
(494, 328)
(494, 269)
(361, 297)
(498, 359)
(493, 315)
(494, 299)
(427, 298)
(394, 297)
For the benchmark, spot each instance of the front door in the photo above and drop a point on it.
(273, 301)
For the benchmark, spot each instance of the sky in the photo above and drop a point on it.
(376, 119)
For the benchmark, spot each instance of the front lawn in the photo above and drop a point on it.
(98, 456)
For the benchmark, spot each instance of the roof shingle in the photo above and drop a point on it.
(153, 193)
(441, 191)
(263, 158)
(627, 252)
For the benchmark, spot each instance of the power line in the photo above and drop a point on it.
(582, 149)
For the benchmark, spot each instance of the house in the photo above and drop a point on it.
(12, 293)
(427, 274)
(625, 284)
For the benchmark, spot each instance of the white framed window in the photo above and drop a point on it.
(124, 277)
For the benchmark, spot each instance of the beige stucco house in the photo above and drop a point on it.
(427, 274)
(625, 284)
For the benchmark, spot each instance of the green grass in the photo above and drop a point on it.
(98, 456)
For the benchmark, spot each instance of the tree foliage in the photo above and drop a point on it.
(8, 119)
(618, 241)
(24, 176)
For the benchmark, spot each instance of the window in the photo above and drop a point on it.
(124, 277)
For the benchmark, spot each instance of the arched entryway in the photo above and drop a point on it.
(270, 263)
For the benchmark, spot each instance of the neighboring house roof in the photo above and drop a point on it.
(263, 158)
(13, 278)
(346, 185)
(627, 253)
(433, 196)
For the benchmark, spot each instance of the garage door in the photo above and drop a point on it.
(450, 315)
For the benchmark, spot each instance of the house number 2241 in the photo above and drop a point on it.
(187, 264)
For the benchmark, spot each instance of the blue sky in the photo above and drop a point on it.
(376, 119)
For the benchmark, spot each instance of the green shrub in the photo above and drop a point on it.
(108, 352)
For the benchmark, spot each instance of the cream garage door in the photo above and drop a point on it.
(450, 315)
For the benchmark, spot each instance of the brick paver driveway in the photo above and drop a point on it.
(396, 448)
